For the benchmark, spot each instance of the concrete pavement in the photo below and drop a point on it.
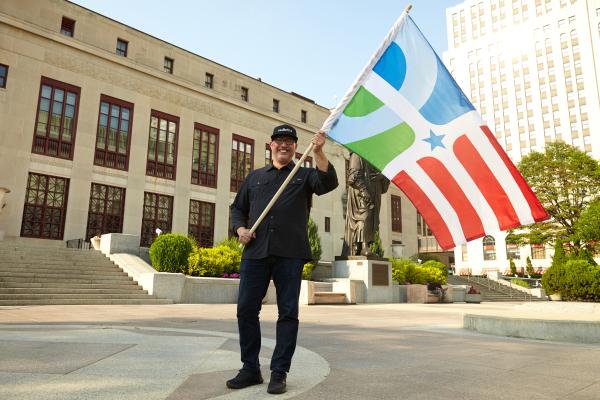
(391, 351)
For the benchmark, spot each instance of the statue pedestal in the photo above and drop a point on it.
(375, 274)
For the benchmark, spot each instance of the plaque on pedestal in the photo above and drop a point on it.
(374, 272)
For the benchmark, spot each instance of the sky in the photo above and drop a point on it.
(315, 48)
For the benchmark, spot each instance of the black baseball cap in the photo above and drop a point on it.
(284, 130)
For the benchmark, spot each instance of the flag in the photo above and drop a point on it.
(407, 116)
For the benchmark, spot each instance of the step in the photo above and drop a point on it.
(49, 279)
(31, 290)
(70, 296)
(83, 302)
(323, 286)
(56, 261)
(70, 285)
(330, 298)
(59, 275)
(64, 271)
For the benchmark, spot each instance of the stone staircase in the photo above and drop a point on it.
(324, 294)
(490, 290)
(37, 273)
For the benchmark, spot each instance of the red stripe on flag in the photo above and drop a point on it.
(443, 179)
(537, 211)
(487, 183)
(430, 214)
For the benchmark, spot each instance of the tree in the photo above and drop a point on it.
(376, 247)
(588, 225)
(565, 180)
(513, 267)
(315, 240)
(529, 267)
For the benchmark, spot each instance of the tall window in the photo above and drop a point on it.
(422, 228)
(512, 249)
(3, 75)
(205, 155)
(538, 251)
(275, 105)
(396, 214)
(209, 81)
(327, 224)
(242, 160)
(105, 213)
(45, 207)
(122, 47)
(303, 116)
(489, 248)
(168, 65)
(56, 119)
(67, 26)
(162, 145)
(308, 161)
(158, 213)
(114, 133)
(202, 222)
(244, 93)
(268, 157)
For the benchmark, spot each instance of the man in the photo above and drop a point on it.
(278, 249)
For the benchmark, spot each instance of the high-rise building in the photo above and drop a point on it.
(531, 69)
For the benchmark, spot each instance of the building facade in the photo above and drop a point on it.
(108, 129)
(530, 67)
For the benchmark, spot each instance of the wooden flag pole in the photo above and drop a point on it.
(281, 189)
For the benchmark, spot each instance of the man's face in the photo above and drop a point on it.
(283, 149)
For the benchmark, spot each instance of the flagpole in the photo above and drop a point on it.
(335, 114)
(337, 111)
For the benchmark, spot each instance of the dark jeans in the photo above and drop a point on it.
(255, 276)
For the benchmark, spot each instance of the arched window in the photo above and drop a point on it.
(489, 248)
(512, 248)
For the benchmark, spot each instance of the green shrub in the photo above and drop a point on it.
(315, 240)
(520, 282)
(439, 265)
(576, 280)
(513, 267)
(528, 266)
(559, 257)
(376, 247)
(234, 245)
(552, 278)
(406, 271)
(214, 261)
(307, 271)
(169, 252)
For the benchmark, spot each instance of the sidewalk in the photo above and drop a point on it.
(391, 351)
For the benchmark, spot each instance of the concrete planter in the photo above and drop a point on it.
(95, 241)
(473, 298)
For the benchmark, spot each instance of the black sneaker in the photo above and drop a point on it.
(277, 383)
(244, 379)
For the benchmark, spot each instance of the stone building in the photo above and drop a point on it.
(109, 129)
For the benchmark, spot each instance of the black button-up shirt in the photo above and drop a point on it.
(283, 232)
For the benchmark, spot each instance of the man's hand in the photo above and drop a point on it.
(318, 142)
(244, 235)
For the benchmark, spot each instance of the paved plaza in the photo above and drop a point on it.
(184, 351)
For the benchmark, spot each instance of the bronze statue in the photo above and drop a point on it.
(365, 186)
